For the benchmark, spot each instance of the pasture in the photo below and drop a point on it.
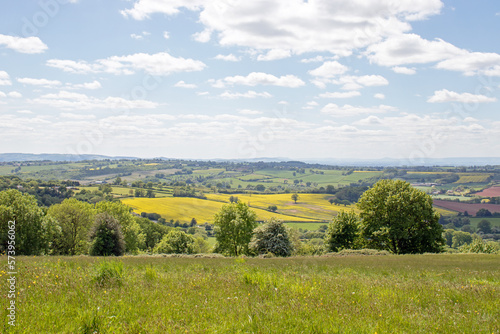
(340, 294)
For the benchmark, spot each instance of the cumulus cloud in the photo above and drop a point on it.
(348, 110)
(299, 26)
(86, 85)
(260, 78)
(5, 79)
(404, 70)
(15, 94)
(23, 44)
(75, 101)
(249, 95)
(39, 82)
(329, 69)
(229, 57)
(156, 64)
(340, 95)
(410, 49)
(182, 84)
(450, 96)
(379, 96)
(472, 63)
(274, 54)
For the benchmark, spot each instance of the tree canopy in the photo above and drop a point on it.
(272, 237)
(399, 218)
(234, 224)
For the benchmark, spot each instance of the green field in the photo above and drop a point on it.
(351, 294)
(493, 221)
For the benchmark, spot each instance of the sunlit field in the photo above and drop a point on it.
(350, 294)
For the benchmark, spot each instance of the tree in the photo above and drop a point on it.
(483, 213)
(399, 218)
(176, 242)
(20, 212)
(272, 208)
(193, 222)
(234, 224)
(342, 231)
(233, 199)
(484, 226)
(272, 237)
(130, 228)
(150, 194)
(106, 237)
(461, 238)
(75, 219)
(295, 197)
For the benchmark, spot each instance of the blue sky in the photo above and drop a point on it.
(245, 79)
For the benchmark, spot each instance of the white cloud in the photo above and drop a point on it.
(249, 95)
(249, 112)
(156, 64)
(371, 80)
(410, 49)
(76, 116)
(348, 110)
(202, 93)
(203, 36)
(39, 82)
(310, 105)
(404, 70)
(329, 69)
(449, 96)
(86, 85)
(135, 36)
(24, 111)
(472, 63)
(2, 94)
(166, 35)
(144, 8)
(317, 59)
(340, 95)
(23, 44)
(275, 54)
(75, 101)
(370, 120)
(182, 84)
(379, 96)
(229, 57)
(15, 95)
(5, 79)
(260, 78)
(296, 25)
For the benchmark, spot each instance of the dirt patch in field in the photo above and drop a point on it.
(490, 192)
(471, 209)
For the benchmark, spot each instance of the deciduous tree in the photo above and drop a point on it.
(234, 224)
(399, 218)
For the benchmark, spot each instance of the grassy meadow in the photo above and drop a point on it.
(341, 294)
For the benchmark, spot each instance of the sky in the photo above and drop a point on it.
(298, 79)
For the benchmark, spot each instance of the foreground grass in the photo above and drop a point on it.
(353, 294)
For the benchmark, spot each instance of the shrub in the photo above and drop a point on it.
(272, 237)
(176, 242)
(342, 232)
(478, 245)
(106, 237)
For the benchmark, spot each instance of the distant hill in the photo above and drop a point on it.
(385, 162)
(8, 157)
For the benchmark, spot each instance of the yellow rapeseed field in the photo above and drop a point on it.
(186, 208)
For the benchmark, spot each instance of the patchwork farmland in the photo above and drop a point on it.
(472, 209)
